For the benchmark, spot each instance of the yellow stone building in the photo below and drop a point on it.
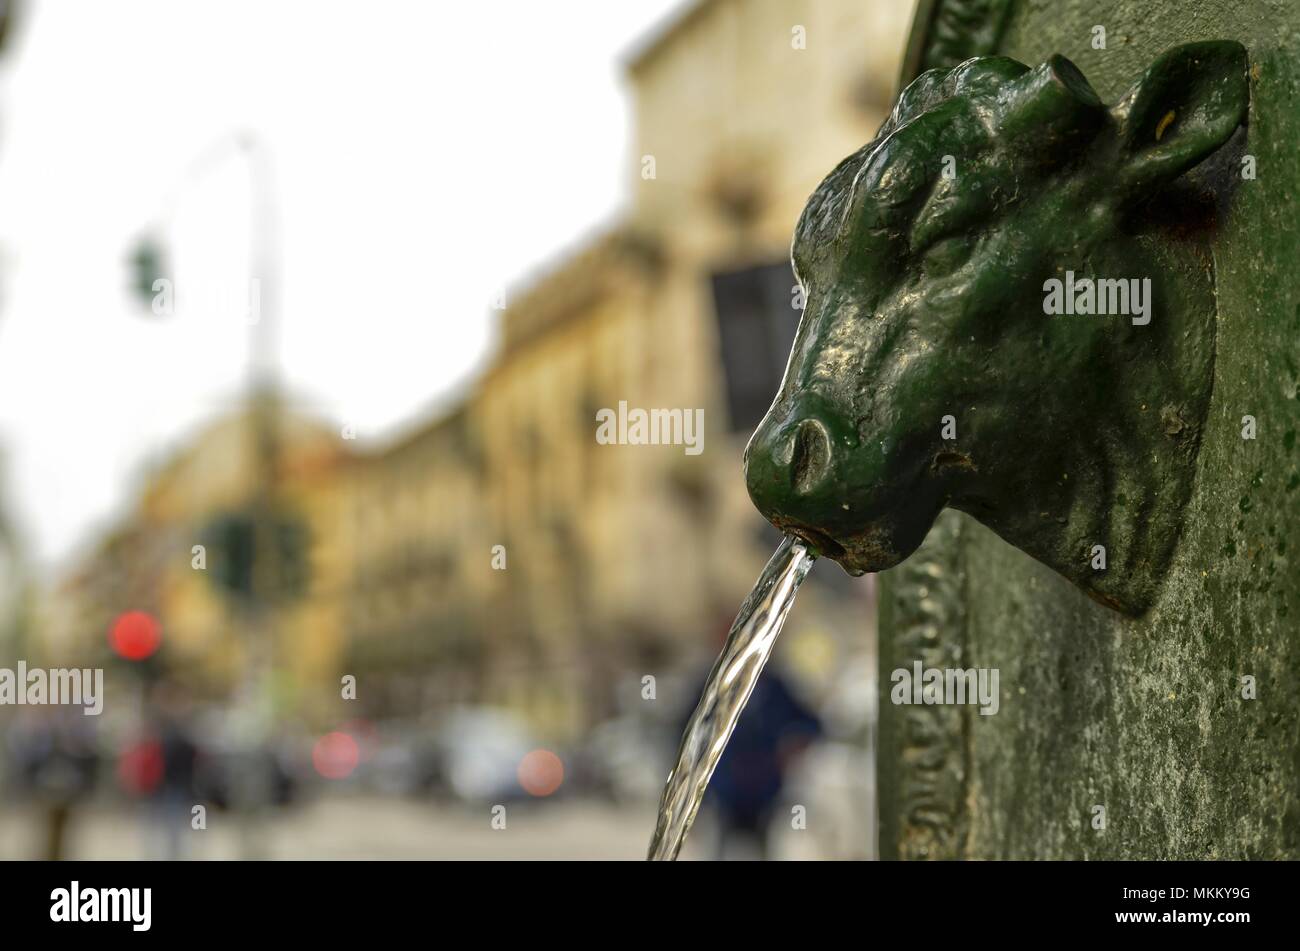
(628, 560)
(418, 586)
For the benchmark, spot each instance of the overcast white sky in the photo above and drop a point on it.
(425, 155)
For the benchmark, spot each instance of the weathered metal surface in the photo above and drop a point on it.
(949, 32)
(1176, 734)
(925, 365)
(923, 793)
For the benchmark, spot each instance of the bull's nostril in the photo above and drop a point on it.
(810, 456)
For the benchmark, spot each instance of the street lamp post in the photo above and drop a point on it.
(252, 609)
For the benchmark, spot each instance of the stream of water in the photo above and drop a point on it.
(753, 635)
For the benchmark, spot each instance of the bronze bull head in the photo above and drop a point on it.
(1009, 311)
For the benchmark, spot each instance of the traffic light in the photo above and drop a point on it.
(147, 267)
(233, 545)
(236, 554)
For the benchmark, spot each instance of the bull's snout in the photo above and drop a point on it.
(791, 468)
(783, 461)
(857, 501)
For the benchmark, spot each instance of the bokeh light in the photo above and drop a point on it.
(540, 773)
(135, 635)
(335, 755)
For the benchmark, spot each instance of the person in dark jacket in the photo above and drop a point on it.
(774, 728)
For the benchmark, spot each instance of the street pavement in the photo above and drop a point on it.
(352, 827)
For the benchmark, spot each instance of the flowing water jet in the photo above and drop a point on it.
(749, 644)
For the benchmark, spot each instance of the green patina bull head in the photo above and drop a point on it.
(1009, 311)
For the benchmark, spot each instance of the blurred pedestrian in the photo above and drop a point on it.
(773, 730)
(163, 770)
(54, 751)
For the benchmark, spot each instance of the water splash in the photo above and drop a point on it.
(753, 635)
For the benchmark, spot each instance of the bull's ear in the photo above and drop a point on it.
(1185, 106)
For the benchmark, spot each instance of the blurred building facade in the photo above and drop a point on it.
(165, 558)
(498, 554)
(634, 558)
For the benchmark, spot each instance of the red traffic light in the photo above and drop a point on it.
(135, 635)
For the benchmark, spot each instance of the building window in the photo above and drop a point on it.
(756, 328)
